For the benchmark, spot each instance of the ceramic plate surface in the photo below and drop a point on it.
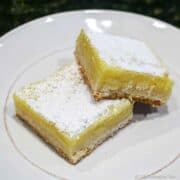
(147, 149)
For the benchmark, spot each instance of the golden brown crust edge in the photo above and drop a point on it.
(113, 95)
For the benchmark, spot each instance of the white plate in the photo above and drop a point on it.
(150, 145)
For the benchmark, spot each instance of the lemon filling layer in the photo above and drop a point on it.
(122, 66)
(63, 112)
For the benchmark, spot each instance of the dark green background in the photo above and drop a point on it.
(16, 12)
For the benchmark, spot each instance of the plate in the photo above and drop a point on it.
(148, 148)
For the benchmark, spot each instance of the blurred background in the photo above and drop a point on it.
(16, 12)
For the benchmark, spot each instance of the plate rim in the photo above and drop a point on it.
(15, 30)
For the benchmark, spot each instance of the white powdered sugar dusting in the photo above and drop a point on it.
(64, 99)
(127, 53)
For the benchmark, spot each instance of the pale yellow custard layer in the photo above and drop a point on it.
(61, 110)
(110, 80)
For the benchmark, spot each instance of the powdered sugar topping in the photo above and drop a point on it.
(65, 100)
(129, 54)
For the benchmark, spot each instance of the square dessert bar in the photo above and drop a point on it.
(116, 67)
(63, 112)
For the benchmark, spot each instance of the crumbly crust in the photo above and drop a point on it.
(98, 95)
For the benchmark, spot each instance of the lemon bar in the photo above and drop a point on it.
(63, 112)
(116, 67)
